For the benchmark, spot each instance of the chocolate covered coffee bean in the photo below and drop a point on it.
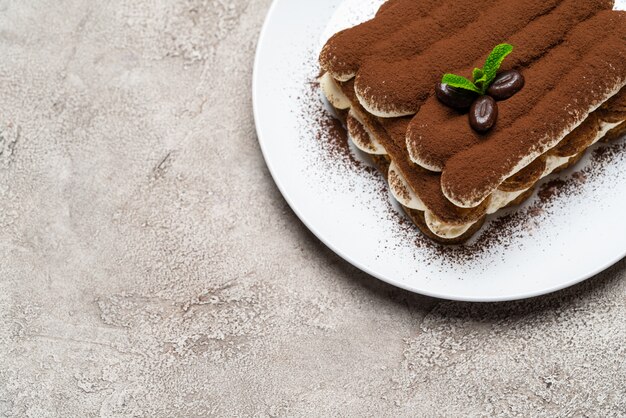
(483, 113)
(454, 97)
(506, 84)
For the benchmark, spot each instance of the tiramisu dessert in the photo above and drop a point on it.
(466, 105)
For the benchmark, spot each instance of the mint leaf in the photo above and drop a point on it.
(460, 82)
(479, 79)
(482, 84)
(493, 63)
(477, 74)
(482, 77)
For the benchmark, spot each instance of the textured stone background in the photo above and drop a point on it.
(151, 268)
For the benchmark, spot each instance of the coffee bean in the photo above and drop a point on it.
(483, 113)
(506, 84)
(454, 97)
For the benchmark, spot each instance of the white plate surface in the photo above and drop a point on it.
(550, 243)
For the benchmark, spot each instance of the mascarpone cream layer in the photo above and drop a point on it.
(333, 92)
(362, 137)
(401, 190)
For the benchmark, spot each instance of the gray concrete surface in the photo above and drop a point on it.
(151, 268)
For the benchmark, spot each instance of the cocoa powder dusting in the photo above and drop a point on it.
(327, 128)
(394, 56)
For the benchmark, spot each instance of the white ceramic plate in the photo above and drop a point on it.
(549, 243)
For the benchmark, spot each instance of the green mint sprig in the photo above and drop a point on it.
(483, 77)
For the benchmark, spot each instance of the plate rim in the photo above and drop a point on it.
(327, 242)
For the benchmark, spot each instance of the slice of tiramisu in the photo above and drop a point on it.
(462, 129)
